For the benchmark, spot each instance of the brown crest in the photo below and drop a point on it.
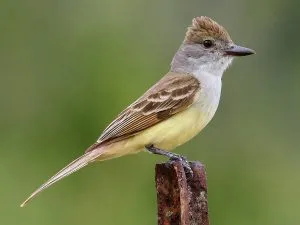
(204, 27)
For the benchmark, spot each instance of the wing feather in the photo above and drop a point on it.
(172, 94)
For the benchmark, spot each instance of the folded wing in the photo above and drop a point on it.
(172, 94)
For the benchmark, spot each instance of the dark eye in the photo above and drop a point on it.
(208, 43)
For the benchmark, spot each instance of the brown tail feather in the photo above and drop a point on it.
(77, 164)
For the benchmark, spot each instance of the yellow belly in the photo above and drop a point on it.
(166, 135)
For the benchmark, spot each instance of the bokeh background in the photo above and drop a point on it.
(69, 67)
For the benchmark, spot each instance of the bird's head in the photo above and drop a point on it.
(209, 45)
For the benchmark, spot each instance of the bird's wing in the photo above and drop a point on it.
(174, 93)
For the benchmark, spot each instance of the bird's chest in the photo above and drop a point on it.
(209, 96)
(185, 125)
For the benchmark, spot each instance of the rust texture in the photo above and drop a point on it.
(181, 200)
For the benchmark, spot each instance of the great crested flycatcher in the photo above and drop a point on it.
(174, 109)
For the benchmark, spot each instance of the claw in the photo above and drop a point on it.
(187, 168)
(172, 157)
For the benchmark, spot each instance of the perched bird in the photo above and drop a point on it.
(174, 109)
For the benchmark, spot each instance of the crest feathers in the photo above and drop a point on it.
(203, 27)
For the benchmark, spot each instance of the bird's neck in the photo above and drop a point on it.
(194, 62)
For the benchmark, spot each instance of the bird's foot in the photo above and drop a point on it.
(172, 157)
(185, 163)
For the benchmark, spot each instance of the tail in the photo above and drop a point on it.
(77, 164)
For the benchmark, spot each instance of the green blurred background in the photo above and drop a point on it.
(69, 67)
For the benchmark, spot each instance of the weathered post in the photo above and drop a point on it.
(181, 200)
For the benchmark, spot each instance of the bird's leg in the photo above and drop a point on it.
(172, 157)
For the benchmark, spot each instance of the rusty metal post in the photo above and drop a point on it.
(181, 200)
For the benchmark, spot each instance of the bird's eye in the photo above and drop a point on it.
(208, 43)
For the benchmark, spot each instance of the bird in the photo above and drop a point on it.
(173, 110)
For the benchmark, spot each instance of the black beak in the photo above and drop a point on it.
(236, 50)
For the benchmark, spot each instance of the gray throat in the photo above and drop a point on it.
(192, 59)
